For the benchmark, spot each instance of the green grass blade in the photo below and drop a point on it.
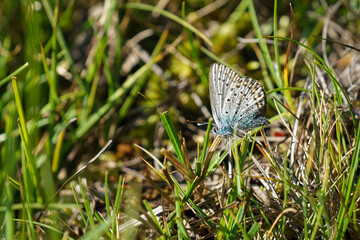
(342, 218)
(15, 73)
(263, 46)
(98, 231)
(25, 140)
(86, 204)
(206, 142)
(72, 185)
(153, 216)
(179, 221)
(173, 136)
(114, 99)
(143, 79)
(328, 70)
(146, 7)
(194, 51)
(116, 210)
(63, 45)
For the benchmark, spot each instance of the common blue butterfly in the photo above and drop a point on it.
(236, 102)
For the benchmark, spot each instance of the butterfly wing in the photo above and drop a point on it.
(219, 78)
(235, 100)
(251, 107)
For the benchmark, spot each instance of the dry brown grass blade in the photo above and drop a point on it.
(221, 210)
(269, 233)
(168, 178)
(144, 219)
(186, 159)
(209, 155)
(225, 174)
(162, 192)
(150, 222)
(186, 172)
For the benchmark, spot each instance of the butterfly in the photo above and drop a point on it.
(237, 103)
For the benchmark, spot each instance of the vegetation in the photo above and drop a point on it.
(100, 104)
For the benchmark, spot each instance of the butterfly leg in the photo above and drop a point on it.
(230, 158)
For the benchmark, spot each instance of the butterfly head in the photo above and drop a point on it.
(222, 131)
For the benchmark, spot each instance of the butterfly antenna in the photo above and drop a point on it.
(150, 101)
(203, 123)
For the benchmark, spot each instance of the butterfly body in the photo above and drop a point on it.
(237, 103)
